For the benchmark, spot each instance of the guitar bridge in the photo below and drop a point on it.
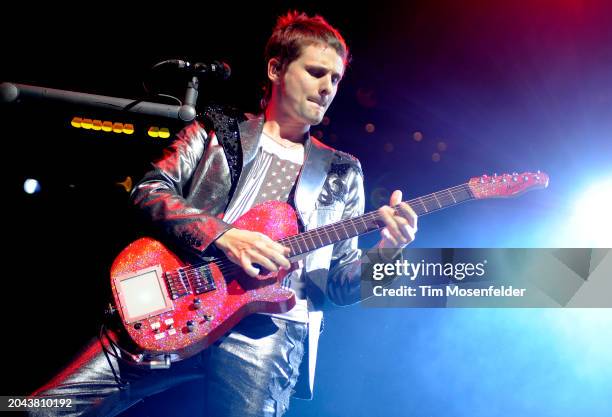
(190, 280)
(201, 280)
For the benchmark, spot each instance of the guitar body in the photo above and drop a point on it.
(168, 306)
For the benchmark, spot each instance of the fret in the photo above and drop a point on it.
(430, 203)
(354, 226)
(299, 241)
(422, 203)
(463, 194)
(290, 243)
(452, 196)
(336, 232)
(436, 198)
(344, 230)
(316, 233)
(309, 235)
(365, 225)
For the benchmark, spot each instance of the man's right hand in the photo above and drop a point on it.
(246, 248)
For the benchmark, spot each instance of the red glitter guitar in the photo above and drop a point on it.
(169, 307)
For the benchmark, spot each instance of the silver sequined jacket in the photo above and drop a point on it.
(194, 180)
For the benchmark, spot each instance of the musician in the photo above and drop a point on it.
(215, 171)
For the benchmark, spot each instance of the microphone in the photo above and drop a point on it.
(215, 69)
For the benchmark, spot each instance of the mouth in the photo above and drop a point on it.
(317, 102)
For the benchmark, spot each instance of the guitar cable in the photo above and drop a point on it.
(127, 357)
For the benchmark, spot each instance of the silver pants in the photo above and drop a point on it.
(250, 372)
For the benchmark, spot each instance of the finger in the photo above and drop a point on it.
(275, 255)
(405, 211)
(275, 245)
(274, 252)
(388, 240)
(247, 266)
(390, 222)
(262, 260)
(409, 233)
(396, 198)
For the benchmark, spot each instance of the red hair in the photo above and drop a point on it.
(292, 32)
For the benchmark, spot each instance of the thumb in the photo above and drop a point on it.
(396, 198)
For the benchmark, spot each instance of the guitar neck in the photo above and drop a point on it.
(369, 222)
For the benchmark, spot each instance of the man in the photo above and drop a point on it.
(214, 172)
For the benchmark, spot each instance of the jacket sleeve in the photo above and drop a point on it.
(343, 282)
(160, 194)
(344, 278)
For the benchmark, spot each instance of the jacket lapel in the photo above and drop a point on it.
(317, 161)
(249, 132)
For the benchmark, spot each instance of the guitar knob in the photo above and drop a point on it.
(197, 303)
(138, 326)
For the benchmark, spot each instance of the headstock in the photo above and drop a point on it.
(506, 185)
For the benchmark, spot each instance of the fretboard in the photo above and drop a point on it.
(369, 222)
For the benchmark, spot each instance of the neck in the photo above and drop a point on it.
(281, 127)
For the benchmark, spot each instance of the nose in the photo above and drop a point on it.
(326, 87)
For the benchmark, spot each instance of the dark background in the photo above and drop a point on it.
(506, 86)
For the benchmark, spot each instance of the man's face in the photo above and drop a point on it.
(309, 84)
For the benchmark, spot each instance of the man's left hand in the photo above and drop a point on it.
(400, 223)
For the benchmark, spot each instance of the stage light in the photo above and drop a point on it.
(164, 133)
(370, 128)
(107, 126)
(417, 136)
(31, 186)
(591, 223)
(153, 131)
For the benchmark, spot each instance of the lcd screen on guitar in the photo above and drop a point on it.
(143, 294)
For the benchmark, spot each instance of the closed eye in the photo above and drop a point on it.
(318, 72)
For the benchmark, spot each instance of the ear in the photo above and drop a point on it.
(274, 70)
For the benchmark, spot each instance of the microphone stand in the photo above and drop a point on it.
(11, 92)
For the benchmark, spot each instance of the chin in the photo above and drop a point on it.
(313, 121)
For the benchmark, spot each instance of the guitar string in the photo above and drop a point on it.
(223, 264)
(226, 265)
